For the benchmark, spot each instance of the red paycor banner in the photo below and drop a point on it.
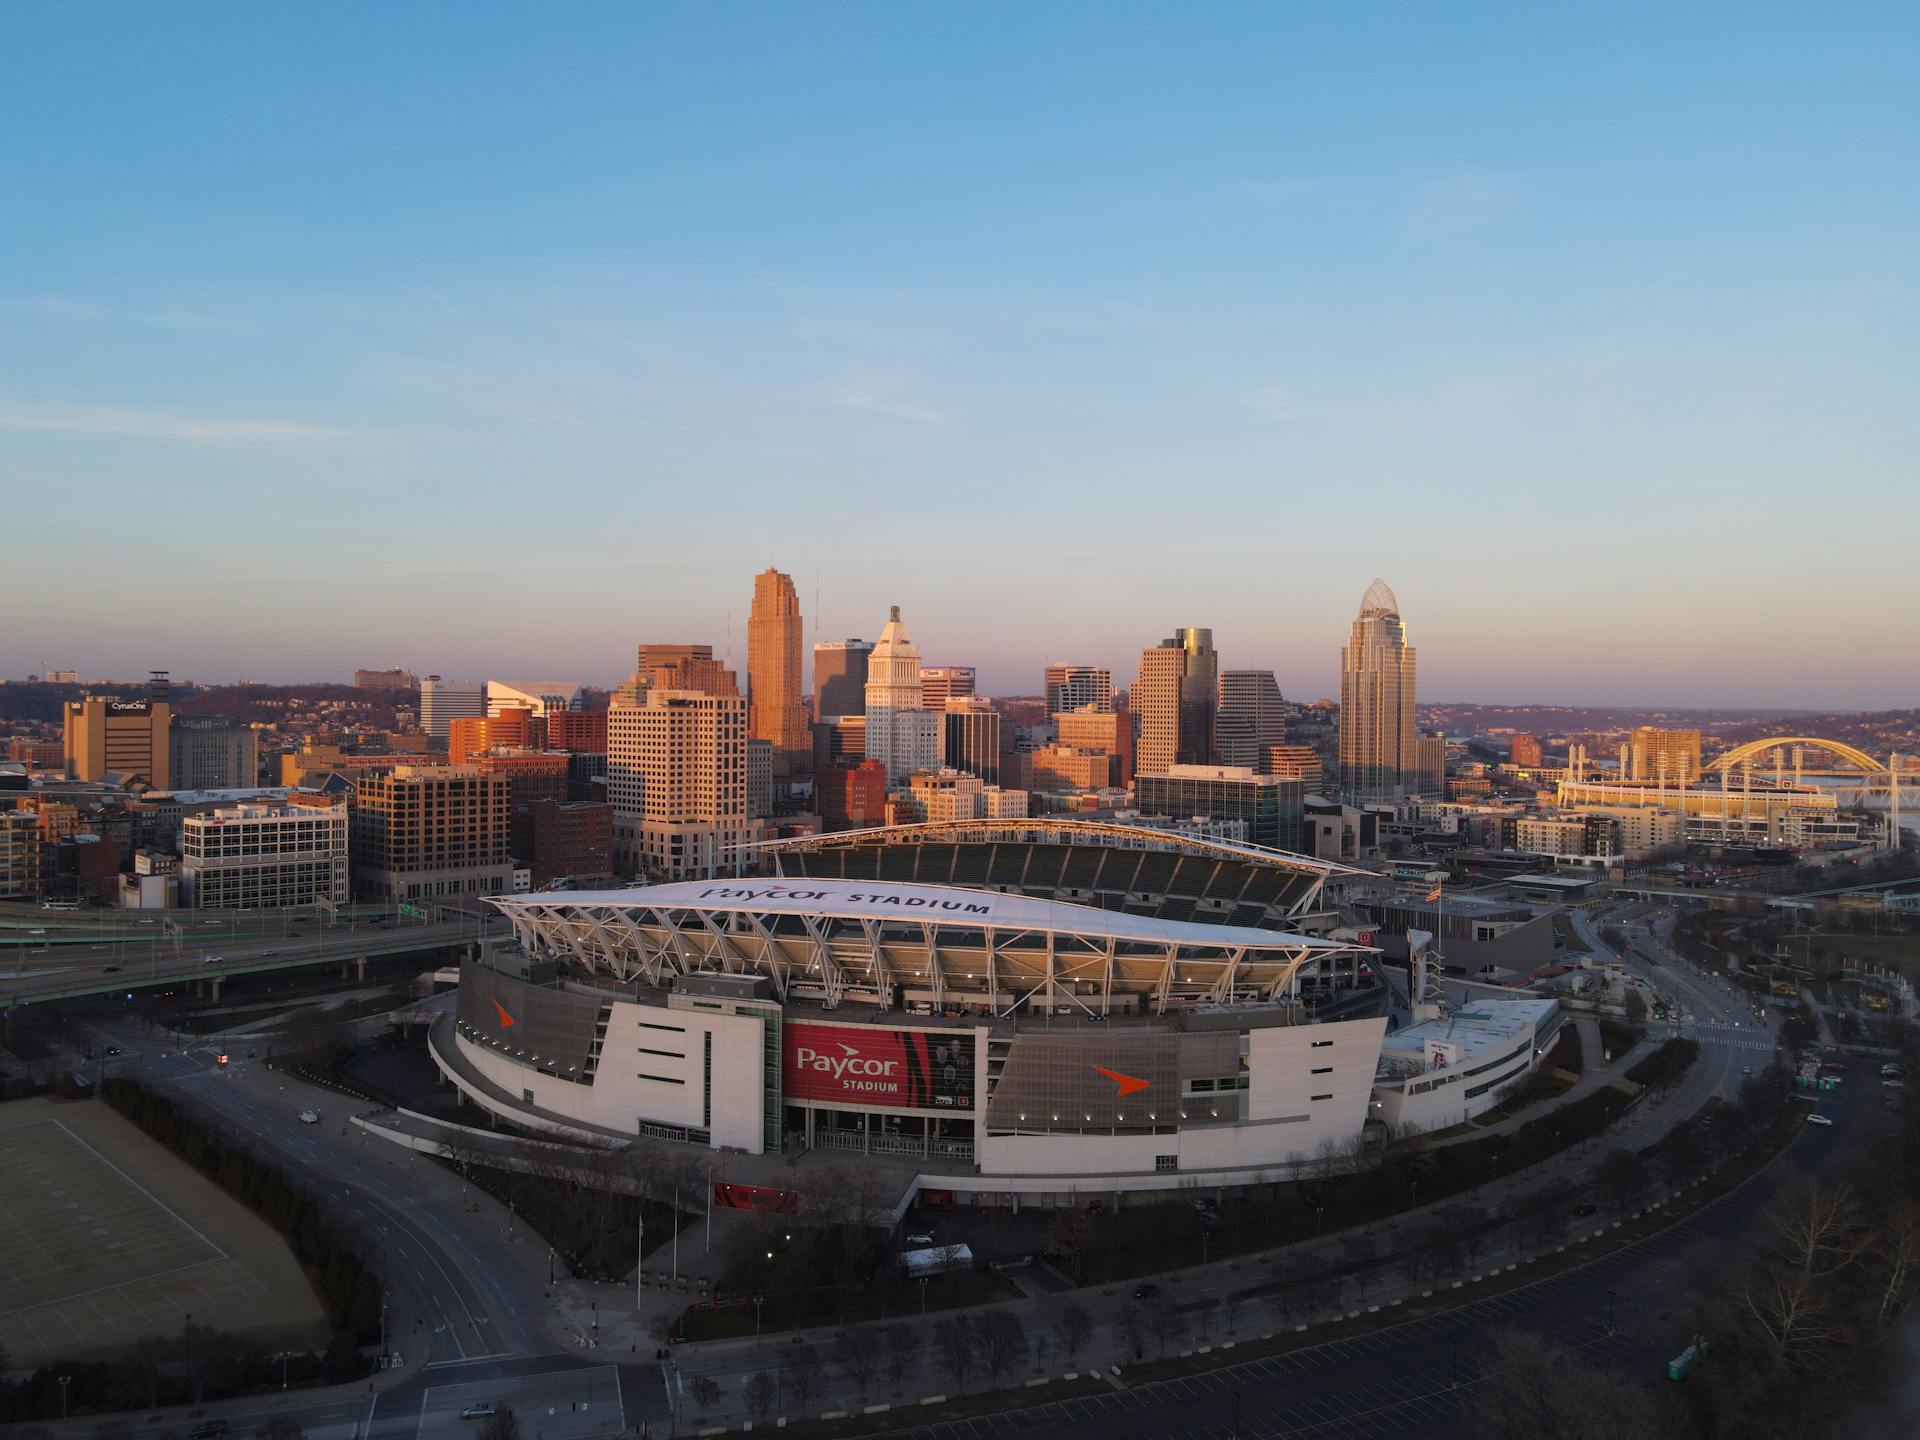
(857, 1065)
(763, 1198)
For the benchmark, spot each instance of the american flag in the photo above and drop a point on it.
(1434, 894)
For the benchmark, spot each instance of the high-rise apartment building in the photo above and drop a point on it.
(132, 738)
(583, 731)
(265, 856)
(385, 680)
(1523, 750)
(677, 779)
(684, 667)
(1253, 717)
(425, 832)
(1377, 759)
(1671, 757)
(776, 711)
(941, 683)
(20, 855)
(570, 840)
(1074, 687)
(1108, 732)
(902, 733)
(1271, 806)
(972, 741)
(211, 752)
(1174, 702)
(443, 701)
(840, 678)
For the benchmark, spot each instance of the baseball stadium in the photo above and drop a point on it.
(1041, 1008)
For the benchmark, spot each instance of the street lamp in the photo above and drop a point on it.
(65, 1380)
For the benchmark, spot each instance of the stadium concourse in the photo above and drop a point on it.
(1033, 1009)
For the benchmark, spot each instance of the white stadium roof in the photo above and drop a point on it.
(892, 900)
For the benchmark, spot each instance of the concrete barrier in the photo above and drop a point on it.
(1298, 1328)
(1037, 1380)
(933, 1400)
(1373, 1309)
(877, 1409)
(833, 1414)
(1425, 1294)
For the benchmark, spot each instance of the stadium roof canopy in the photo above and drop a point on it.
(881, 900)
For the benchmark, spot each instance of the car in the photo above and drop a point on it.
(207, 1430)
(113, 1049)
(1746, 1069)
(1818, 1119)
(312, 1117)
(268, 954)
(1146, 1290)
(109, 969)
(919, 1239)
(480, 1410)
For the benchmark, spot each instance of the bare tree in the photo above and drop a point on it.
(706, 1392)
(953, 1348)
(1892, 1258)
(1207, 1312)
(1531, 1388)
(1169, 1326)
(501, 1425)
(1130, 1329)
(858, 1357)
(901, 1344)
(1785, 1310)
(800, 1371)
(1002, 1340)
(761, 1391)
(1074, 1324)
(1818, 1229)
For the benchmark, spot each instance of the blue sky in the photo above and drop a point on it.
(494, 339)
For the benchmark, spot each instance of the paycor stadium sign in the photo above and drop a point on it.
(856, 897)
(860, 1066)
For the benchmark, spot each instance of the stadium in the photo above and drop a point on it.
(1037, 1008)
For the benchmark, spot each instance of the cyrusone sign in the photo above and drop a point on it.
(858, 1066)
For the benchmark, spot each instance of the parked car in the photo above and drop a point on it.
(1146, 1290)
(1818, 1119)
(480, 1410)
(208, 1430)
(920, 1240)
(1582, 1211)
(311, 1117)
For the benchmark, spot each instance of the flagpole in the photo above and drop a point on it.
(640, 1259)
(676, 1236)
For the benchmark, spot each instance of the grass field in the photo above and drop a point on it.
(105, 1237)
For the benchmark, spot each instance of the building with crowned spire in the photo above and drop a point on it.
(1378, 741)
(902, 733)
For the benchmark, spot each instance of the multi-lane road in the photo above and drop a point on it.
(466, 1307)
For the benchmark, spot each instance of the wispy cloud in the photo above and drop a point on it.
(67, 307)
(1272, 403)
(888, 403)
(94, 420)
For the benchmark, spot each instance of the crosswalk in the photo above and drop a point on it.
(1744, 1037)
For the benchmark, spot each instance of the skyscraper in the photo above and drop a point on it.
(1377, 754)
(677, 779)
(684, 667)
(941, 683)
(105, 735)
(902, 733)
(840, 678)
(1252, 717)
(1074, 687)
(973, 736)
(776, 712)
(1174, 702)
(212, 752)
(442, 701)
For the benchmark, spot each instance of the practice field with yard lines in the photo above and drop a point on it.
(105, 1237)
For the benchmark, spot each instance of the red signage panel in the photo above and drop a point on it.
(858, 1066)
(763, 1198)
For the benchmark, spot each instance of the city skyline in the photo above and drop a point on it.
(1219, 320)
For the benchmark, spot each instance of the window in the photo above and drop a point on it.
(1164, 1163)
(1319, 1097)
(1324, 1070)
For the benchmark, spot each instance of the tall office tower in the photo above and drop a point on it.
(429, 832)
(902, 733)
(385, 680)
(973, 736)
(1174, 701)
(1377, 760)
(1670, 757)
(539, 697)
(1074, 687)
(105, 736)
(677, 779)
(685, 667)
(777, 713)
(1429, 764)
(840, 678)
(211, 752)
(941, 683)
(1252, 717)
(1523, 750)
(444, 701)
